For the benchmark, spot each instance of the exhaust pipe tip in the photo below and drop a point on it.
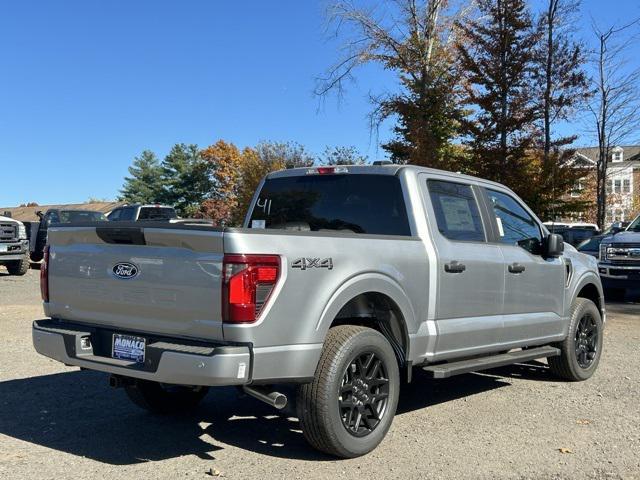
(275, 399)
(279, 400)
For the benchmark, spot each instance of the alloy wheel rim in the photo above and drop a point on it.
(586, 341)
(364, 394)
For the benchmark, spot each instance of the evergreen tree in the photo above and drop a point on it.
(145, 183)
(499, 58)
(284, 154)
(412, 39)
(562, 88)
(342, 156)
(186, 179)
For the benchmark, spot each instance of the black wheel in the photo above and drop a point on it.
(18, 267)
(582, 349)
(36, 256)
(348, 408)
(164, 399)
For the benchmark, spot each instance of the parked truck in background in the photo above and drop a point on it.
(619, 257)
(342, 280)
(14, 246)
(137, 212)
(58, 215)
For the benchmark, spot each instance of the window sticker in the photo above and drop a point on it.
(457, 213)
(258, 224)
(500, 229)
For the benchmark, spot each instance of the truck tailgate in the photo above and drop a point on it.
(161, 279)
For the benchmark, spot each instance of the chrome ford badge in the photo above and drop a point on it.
(125, 270)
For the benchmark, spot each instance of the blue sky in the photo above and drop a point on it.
(85, 85)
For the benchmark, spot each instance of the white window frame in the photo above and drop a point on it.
(617, 155)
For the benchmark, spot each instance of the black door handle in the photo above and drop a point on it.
(516, 268)
(454, 267)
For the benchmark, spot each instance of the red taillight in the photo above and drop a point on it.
(44, 275)
(247, 284)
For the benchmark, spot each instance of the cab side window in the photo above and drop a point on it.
(456, 209)
(52, 217)
(114, 216)
(515, 225)
(126, 214)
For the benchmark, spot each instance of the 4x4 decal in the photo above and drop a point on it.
(305, 263)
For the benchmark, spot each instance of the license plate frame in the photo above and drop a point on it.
(128, 347)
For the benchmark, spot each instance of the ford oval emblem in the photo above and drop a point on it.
(125, 270)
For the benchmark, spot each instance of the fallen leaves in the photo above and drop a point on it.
(583, 421)
(565, 450)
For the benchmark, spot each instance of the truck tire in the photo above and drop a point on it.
(582, 349)
(18, 267)
(37, 256)
(164, 399)
(348, 408)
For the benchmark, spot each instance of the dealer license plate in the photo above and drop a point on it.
(128, 347)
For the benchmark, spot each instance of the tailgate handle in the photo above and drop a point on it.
(121, 236)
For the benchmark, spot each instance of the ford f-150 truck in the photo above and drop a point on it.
(620, 258)
(14, 246)
(342, 280)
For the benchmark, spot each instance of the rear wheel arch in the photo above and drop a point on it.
(373, 301)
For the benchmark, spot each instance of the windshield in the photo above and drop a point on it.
(76, 216)
(360, 203)
(635, 225)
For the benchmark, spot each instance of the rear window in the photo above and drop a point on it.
(156, 213)
(361, 203)
(70, 216)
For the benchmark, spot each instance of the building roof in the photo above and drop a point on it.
(28, 214)
(631, 152)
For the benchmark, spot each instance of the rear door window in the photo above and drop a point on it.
(353, 203)
(456, 209)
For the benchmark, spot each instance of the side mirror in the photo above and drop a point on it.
(39, 214)
(554, 245)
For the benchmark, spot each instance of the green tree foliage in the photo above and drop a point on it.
(287, 154)
(498, 56)
(411, 38)
(561, 89)
(186, 179)
(342, 156)
(144, 185)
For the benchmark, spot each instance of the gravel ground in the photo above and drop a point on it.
(58, 422)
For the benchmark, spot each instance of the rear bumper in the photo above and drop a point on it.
(168, 362)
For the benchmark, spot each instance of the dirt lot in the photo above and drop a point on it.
(58, 422)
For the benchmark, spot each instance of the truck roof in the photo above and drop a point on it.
(385, 170)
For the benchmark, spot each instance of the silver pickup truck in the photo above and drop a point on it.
(342, 280)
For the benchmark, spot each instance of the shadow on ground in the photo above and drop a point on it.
(77, 413)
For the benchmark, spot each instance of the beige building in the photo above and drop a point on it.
(623, 184)
(28, 214)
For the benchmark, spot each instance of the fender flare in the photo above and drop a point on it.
(587, 278)
(369, 282)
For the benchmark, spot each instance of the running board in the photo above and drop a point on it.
(445, 370)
